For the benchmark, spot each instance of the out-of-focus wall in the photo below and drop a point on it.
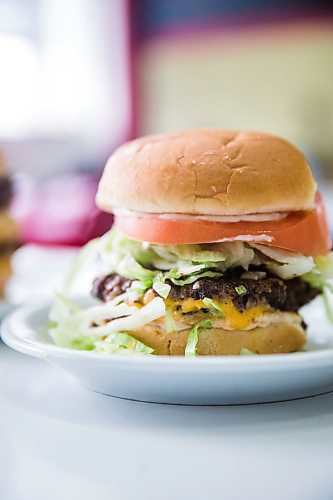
(65, 84)
(269, 71)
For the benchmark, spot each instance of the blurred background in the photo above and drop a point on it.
(79, 77)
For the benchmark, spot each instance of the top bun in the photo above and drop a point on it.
(211, 172)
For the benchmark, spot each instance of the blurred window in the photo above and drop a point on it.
(65, 80)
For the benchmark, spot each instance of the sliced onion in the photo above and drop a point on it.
(280, 255)
(98, 314)
(154, 310)
(259, 217)
(284, 264)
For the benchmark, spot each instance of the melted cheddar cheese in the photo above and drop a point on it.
(241, 319)
(238, 320)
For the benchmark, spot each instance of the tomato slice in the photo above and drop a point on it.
(303, 232)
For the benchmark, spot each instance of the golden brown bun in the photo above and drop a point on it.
(212, 172)
(273, 339)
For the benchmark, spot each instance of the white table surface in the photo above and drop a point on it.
(58, 441)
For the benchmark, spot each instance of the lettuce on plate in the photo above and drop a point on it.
(246, 352)
(102, 328)
(122, 343)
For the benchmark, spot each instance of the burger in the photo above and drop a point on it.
(220, 237)
(8, 229)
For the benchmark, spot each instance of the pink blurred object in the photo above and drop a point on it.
(59, 210)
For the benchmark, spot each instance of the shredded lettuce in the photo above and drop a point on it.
(194, 277)
(241, 290)
(160, 287)
(159, 266)
(213, 307)
(87, 253)
(246, 352)
(328, 303)
(122, 343)
(69, 331)
(321, 276)
(199, 253)
(169, 322)
(155, 266)
(128, 258)
(322, 273)
(192, 341)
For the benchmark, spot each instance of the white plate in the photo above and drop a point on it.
(5, 308)
(177, 380)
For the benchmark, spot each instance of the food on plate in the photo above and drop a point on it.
(220, 237)
(8, 229)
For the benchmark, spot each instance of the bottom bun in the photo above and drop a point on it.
(272, 339)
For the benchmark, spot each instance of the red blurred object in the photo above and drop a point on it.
(60, 210)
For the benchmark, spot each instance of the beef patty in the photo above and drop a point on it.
(109, 287)
(288, 295)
